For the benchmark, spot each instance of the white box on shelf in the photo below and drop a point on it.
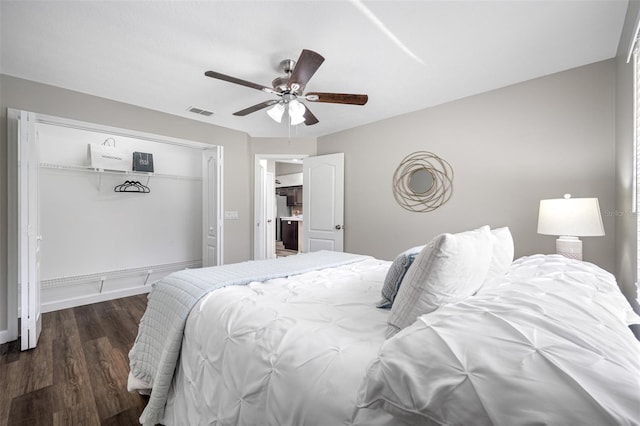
(110, 158)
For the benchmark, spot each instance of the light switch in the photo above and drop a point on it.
(231, 215)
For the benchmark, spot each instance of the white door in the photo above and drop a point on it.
(270, 213)
(29, 237)
(259, 248)
(212, 207)
(323, 201)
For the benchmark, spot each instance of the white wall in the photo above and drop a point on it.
(88, 228)
(509, 149)
(31, 96)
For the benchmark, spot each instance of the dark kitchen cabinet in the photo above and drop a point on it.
(294, 195)
(298, 195)
(289, 234)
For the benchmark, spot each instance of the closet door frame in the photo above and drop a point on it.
(15, 201)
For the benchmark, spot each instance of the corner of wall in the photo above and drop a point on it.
(626, 228)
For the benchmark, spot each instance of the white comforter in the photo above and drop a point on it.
(546, 344)
(287, 352)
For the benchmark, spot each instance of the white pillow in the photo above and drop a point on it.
(394, 276)
(450, 268)
(503, 252)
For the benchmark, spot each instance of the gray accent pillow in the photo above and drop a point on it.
(394, 277)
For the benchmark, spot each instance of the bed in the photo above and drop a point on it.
(452, 332)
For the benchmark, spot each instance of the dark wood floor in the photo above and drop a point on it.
(77, 375)
(283, 252)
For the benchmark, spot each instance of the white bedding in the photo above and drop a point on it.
(546, 344)
(155, 352)
(286, 352)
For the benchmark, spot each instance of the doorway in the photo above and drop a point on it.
(320, 217)
(278, 208)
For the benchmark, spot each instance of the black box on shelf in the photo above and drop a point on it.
(142, 162)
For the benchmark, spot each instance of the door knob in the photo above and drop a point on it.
(338, 227)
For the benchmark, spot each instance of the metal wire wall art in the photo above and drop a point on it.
(422, 182)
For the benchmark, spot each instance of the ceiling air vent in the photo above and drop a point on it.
(200, 111)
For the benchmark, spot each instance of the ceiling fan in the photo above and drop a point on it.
(290, 88)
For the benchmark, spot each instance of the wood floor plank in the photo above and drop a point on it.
(77, 375)
(71, 374)
(37, 366)
(90, 324)
(33, 408)
(119, 334)
(111, 397)
(10, 352)
(79, 415)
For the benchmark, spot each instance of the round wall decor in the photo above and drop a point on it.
(422, 182)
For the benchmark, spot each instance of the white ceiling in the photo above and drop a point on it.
(406, 55)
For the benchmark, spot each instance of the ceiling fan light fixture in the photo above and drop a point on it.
(276, 112)
(290, 87)
(296, 112)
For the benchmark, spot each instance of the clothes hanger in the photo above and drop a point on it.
(132, 186)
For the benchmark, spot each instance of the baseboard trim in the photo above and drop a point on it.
(93, 298)
(6, 336)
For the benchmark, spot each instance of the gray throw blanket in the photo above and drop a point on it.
(155, 352)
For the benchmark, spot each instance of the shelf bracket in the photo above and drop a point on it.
(149, 272)
(99, 178)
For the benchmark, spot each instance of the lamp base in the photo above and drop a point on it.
(570, 247)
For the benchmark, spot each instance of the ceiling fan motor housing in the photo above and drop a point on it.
(287, 66)
(280, 84)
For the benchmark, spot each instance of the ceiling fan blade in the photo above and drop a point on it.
(337, 98)
(257, 107)
(309, 118)
(307, 65)
(239, 81)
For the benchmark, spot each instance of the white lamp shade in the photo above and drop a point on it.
(296, 112)
(276, 112)
(578, 217)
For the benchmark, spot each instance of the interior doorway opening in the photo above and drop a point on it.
(278, 205)
(321, 213)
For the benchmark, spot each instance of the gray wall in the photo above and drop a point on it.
(27, 95)
(509, 149)
(626, 221)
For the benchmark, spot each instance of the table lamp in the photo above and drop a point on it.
(570, 218)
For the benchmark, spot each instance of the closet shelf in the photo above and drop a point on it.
(89, 169)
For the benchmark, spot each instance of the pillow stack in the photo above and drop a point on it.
(450, 268)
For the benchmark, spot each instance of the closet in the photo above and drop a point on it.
(83, 234)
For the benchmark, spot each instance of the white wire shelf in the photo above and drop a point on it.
(89, 169)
